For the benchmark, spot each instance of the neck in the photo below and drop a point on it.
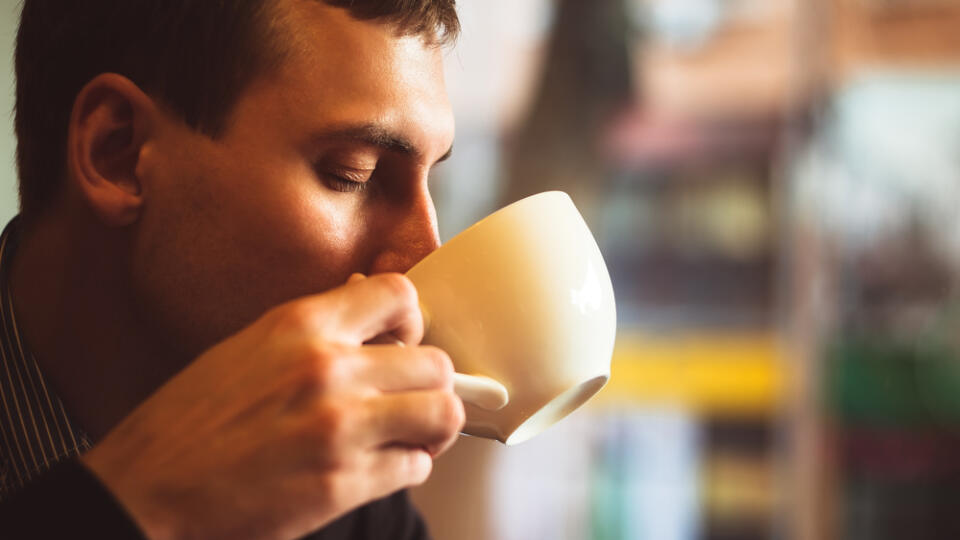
(75, 308)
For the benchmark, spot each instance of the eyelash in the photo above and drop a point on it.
(343, 179)
(345, 185)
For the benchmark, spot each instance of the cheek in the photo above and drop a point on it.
(210, 260)
(311, 237)
(291, 216)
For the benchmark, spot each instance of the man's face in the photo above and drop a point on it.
(321, 172)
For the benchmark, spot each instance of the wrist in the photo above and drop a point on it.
(155, 520)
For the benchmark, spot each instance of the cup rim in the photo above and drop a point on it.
(508, 208)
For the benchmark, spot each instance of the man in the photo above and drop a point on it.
(194, 176)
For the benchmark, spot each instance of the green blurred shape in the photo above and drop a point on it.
(881, 381)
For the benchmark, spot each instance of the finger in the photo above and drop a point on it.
(428, 418)
(394, 467)
(385, 339)
(366, 308)
(355, 277)
(390, 368)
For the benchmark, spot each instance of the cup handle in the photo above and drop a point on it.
(478, 390)
(481, 391)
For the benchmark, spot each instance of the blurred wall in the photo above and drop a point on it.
(9, 15)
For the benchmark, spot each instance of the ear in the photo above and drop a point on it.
(110, 121)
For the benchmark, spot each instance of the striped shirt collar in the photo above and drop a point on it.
(35, 430)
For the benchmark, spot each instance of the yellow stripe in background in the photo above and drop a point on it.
(735, 373)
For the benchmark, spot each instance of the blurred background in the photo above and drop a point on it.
(775, 185)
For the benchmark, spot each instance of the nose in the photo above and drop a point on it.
(408, 233)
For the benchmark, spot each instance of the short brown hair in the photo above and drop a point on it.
(196, 56)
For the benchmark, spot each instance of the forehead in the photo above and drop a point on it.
(335, 69)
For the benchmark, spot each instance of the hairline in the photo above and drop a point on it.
(277, 30)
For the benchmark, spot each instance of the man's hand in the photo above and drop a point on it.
(290, 423)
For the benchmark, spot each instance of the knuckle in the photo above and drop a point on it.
(324, 456)
(323, 369)
(294, 317)
(400, 287)
(322, 449)
(442, 364)
(450, 413)
(329, 426)
(334, 488)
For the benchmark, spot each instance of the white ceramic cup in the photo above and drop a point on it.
(522, 303)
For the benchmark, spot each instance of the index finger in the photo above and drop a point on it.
(365, 308)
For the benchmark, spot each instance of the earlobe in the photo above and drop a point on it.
(110, 122)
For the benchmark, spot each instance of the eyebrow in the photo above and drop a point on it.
(381, 137)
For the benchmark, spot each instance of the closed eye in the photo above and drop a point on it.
(345, 179)
(344, 185)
